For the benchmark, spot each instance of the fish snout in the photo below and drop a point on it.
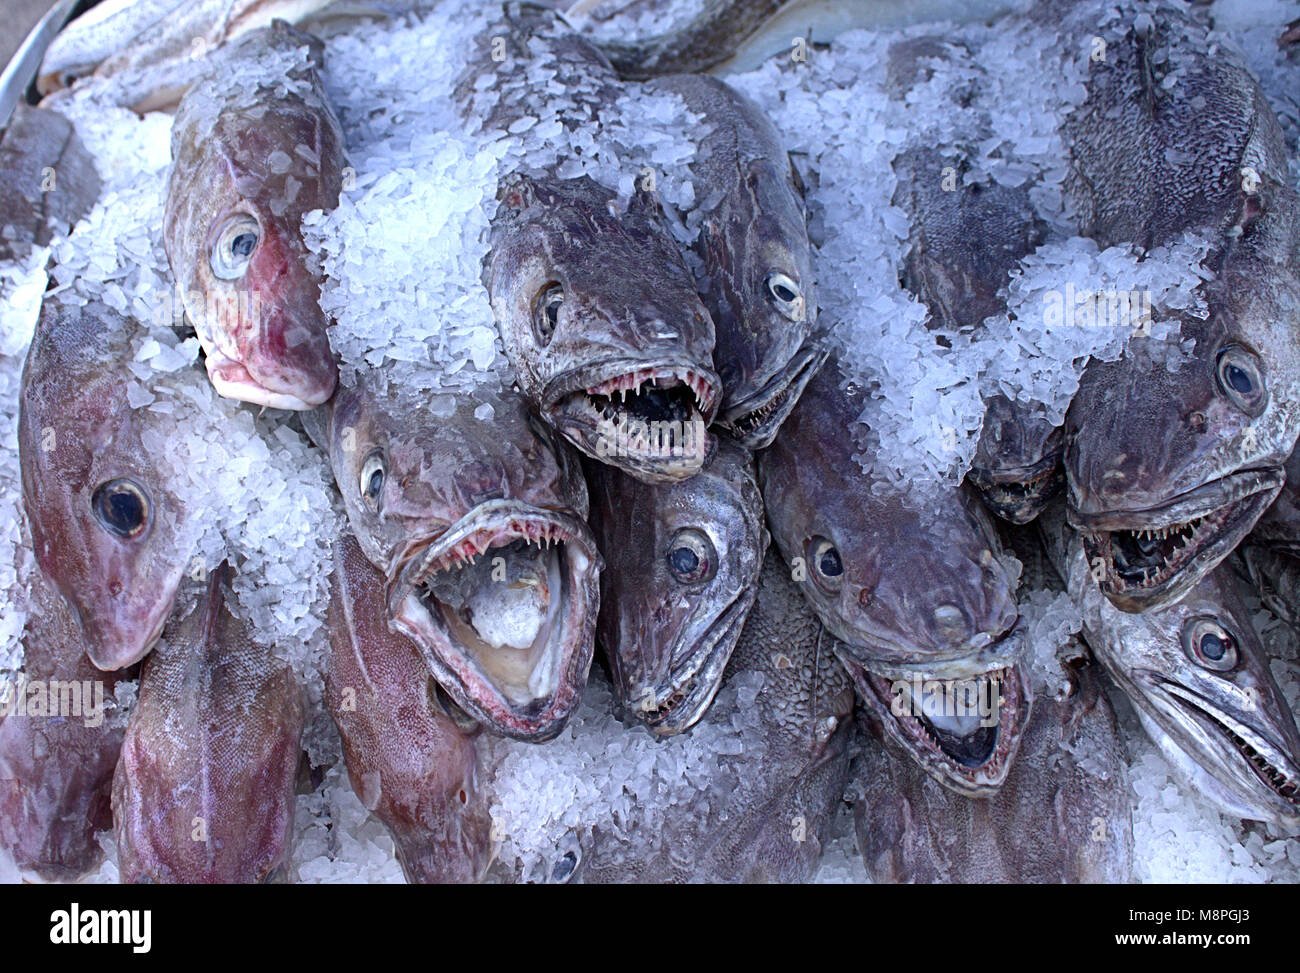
(293, 357)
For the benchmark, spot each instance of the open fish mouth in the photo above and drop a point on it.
(958, 751)
(1019, 494)
(754, 421)
(1268, 762)
(502, 605)
(648, 420)
(1153, 557)
(232, 380)
(675, 704)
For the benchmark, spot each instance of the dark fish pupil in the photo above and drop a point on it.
(1213, 647)
(684, 561)
(1239, 380)
(829, 564)
(783, 293)
(553, 312)
(374, 483)
(243, 244)
(122, 510)
(564, 867)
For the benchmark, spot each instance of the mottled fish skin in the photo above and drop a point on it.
(681, 572)
(108, 527)
(757, 277)
(255, 145)
(50, 180)
(410, 763)
(1200, 684)
(596, 306)
(205, 790)
(1063, 815)
(966, 239)
(766, 816)
(435, 497)
(1187, 444)
(56, 771)
(919, 588)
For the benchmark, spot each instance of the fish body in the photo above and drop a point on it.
(110, 527)
(1174, 451)
(756, 277)
(681, 573)
(479, 527)
(205, 790)
(56, 765)
(256, 145)
(410, 762)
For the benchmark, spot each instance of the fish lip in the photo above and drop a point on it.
(1228, 506)
(909, 733)
(462, 678)
(113, 661)
(673, 708)
(232, 380)
(983, 653)
(755, 420)
(1020, 493)
(1208, 717)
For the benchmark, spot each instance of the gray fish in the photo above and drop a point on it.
(204, 792)
(966, 239)
(1171, 456)
(56, 763)
(1278, 527)
(109, 528)
(1199, 681)
(411, 764)
(255, 145)
(1063, 815)
(681, 571)
(756, 276)
(50, 180)
(478, 526)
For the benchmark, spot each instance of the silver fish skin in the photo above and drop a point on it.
(479, 525)
(756, 277)
(966, 239)
(1172, 455)
(1199, 680)
(597, 308)
(909, 586)
(56, 767)
(681, 573)
(410, 763)
(50, 180)
(109, 526)
(1063, 815)
(765, 815)
(205, 789)
(256, 145)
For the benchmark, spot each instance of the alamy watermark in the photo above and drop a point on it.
(55, 698)
(958, 698)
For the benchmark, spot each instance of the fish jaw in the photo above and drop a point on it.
(754, 421)
(525, 697)
(1184, 539)
(974, 764)
(648, 419)
(1019, 494)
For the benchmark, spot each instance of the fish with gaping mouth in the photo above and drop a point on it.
(1172, 455)
(56, 766)
(756, 264)
(479, 527)
(204, 792)
(1200, 683)
(966, 239)
(109, 528)
(681, 572)
(411, 763)
(256, 145)
(1041, 827)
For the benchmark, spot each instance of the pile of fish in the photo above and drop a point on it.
(467, 442)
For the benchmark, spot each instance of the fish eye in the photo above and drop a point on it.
(1241, 378)
(691, 557)
(234, 246)
(784, 293)
(827, 569)
(372, 479)
(121, 507)
(1209, 644)
(546, 312)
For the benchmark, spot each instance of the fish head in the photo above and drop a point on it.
(479, 526)
(233, 228)
(681, 572)
(600, 318)
(107, 526)
(1017, 462)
